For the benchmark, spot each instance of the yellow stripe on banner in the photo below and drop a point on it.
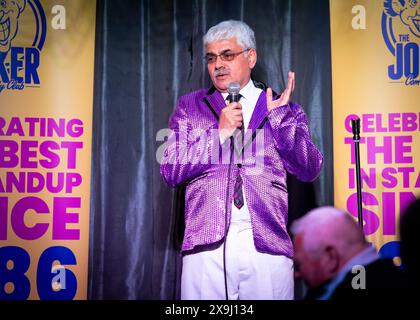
(46, 99)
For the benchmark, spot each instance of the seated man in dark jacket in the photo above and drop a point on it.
(334, 259)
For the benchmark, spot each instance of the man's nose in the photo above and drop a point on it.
(219, 63)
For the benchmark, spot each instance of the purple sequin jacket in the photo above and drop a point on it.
(194, 155)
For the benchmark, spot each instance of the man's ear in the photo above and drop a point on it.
(252, 58)
(332, 260)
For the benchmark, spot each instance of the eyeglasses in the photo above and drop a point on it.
(225, 56)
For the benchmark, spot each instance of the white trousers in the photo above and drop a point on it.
(251, 275)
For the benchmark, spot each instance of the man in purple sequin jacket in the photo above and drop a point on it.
(236, 191)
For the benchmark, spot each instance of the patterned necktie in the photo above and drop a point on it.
(238, 197)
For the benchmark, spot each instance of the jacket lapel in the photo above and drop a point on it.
(214, 100)
(260, 112)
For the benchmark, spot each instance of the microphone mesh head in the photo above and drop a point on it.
(233, 88)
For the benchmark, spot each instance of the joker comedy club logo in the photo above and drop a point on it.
(19, 64)
(401, 32)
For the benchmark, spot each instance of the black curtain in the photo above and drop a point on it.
(148, 53)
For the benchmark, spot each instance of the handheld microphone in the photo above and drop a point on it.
(233, 90)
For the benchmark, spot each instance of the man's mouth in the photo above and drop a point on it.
(4, 31)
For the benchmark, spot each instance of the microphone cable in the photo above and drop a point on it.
(233, 89)
(226, 217)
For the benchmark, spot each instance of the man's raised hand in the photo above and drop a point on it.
(285, 96)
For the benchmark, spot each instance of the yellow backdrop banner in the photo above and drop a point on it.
(375, 73)
(46, 100)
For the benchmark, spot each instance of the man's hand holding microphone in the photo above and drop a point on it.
(231, 116)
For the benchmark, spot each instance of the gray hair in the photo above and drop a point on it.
(231, 29)
(328, 226)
